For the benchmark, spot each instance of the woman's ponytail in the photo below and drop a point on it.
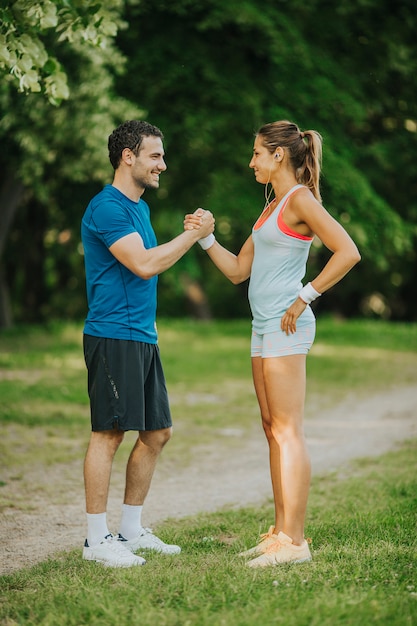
(304, 151)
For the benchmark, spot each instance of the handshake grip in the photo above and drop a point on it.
(205, 242)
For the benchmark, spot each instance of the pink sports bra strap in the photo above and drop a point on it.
(283, 226)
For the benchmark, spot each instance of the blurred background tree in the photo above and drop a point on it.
(55, 116)
(209, 74)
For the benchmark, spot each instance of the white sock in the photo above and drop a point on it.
(131, 522)
(97, 528)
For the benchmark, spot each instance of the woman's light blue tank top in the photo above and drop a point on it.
(279, 265)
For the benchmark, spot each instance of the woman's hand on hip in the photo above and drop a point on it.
(290, 317)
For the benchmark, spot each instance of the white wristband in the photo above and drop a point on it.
(308, 293)
(207, 242)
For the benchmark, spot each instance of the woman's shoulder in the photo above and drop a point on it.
(303, 199)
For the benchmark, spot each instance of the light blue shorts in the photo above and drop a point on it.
(278, 343)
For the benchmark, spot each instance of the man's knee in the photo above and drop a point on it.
(156, 438)
(109, 439)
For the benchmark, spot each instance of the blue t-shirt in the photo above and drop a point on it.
(121, 305)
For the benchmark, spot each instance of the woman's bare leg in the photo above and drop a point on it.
(274, 455)
(284, 383)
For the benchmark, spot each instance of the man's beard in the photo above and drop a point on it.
(146, 184)
(153, 185)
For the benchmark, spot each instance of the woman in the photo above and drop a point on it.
(283, 328)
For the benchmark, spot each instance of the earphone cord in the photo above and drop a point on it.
(266, 193)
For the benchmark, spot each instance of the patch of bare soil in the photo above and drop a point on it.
(225, 476)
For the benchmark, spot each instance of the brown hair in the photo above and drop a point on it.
(304, 150)
(130, 134)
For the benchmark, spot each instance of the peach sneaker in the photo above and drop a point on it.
(265, 540)
(283, 550)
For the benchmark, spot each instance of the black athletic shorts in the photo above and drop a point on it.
(126, 385)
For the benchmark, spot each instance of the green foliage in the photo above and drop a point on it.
(27, 55)
(209, 73)
(59, 155)
(242, 66)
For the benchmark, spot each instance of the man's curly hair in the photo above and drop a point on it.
(129, 135)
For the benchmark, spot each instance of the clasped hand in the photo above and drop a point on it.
(201, 220)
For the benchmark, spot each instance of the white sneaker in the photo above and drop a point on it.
(112, 553)
(146, 540)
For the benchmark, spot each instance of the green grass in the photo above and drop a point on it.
(43, 373)
(364, 569)
(207, 366)
(363, 527)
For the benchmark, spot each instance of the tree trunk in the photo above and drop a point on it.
(196, 298)
(11, 194)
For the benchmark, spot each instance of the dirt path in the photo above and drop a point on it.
(231, 476)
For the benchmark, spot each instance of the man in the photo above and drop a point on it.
(126, 382)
